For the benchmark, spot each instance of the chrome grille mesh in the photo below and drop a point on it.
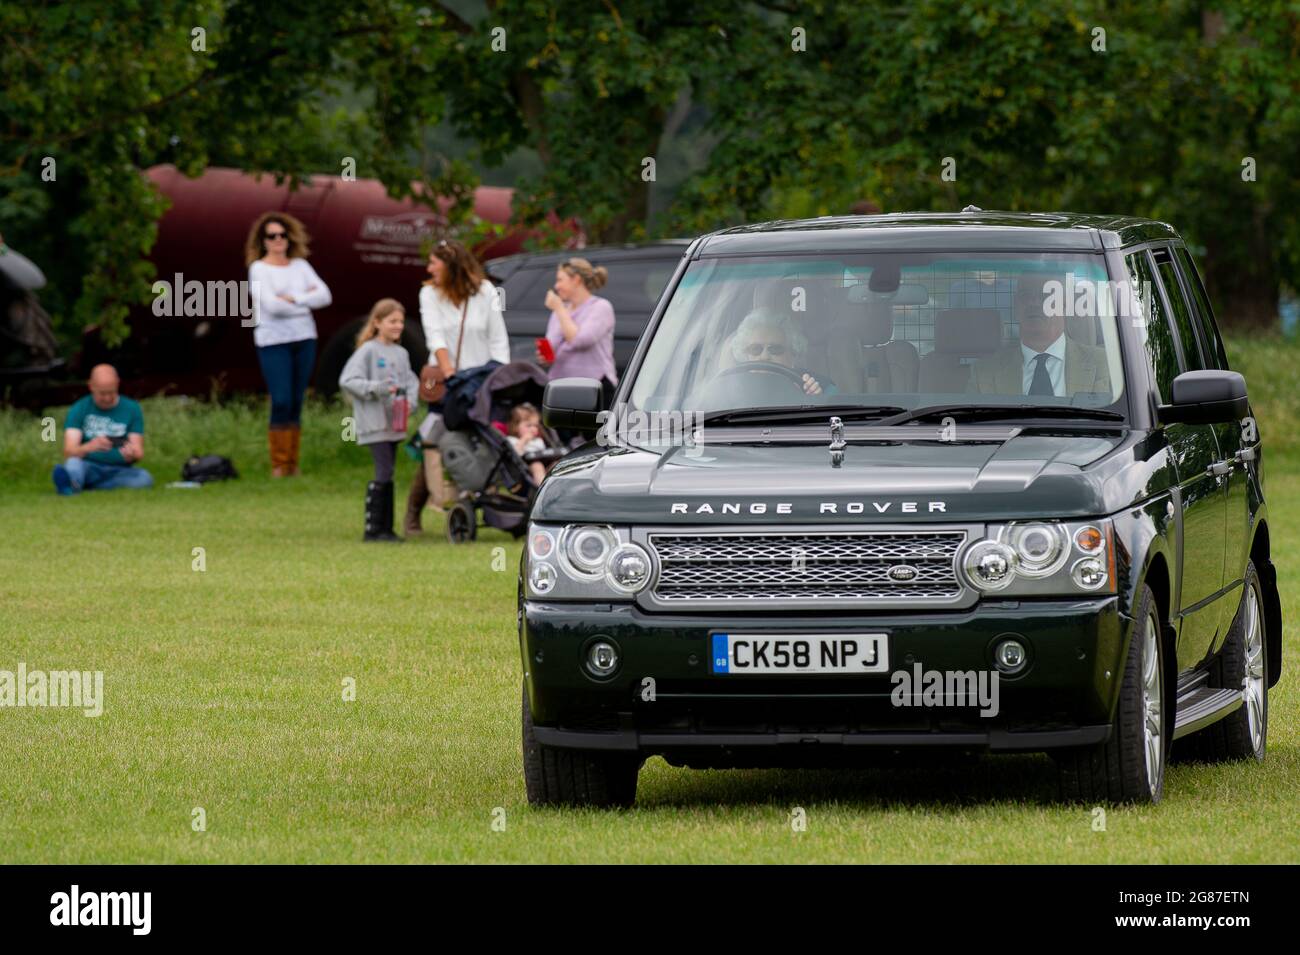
(714, 568)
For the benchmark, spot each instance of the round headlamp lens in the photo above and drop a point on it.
(541, 577)
(541, 544)
(990, 565)
(1040, 548)
(629, 568)
(1089, 539)
(587, 547)
(1089, 573)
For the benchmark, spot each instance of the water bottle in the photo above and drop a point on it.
(401, 409)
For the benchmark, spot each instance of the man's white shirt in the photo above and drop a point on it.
(1055, 365)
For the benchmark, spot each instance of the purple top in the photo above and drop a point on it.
(591, 353)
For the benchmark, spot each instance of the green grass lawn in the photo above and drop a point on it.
(224, 692)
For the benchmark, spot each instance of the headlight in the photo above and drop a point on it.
(586, 548)
(629, 568)
(585, 562)
(1042, 558)
(990, 565)
(1040, 548)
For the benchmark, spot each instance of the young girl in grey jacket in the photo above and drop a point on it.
(383, 389)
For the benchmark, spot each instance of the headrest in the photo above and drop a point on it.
(878, 326)
(777, 295)
(967, 331)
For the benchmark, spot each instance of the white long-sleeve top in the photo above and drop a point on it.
(485, 327)
(279, 321)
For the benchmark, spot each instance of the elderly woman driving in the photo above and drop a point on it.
(767, 335)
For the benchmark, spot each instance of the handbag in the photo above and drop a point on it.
(433, 383)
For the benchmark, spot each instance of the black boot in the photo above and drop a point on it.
(379, 513)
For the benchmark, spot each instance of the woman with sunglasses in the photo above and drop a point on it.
(767, 335)
(285, 291)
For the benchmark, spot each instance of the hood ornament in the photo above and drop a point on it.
(837, 442)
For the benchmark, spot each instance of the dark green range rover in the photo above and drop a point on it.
(981, 481)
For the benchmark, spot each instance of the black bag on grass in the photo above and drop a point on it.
(208, 467)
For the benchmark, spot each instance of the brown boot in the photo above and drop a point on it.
(295, 438)
(415, 502)
(278, 437)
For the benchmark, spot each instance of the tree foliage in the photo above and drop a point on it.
(801, 109)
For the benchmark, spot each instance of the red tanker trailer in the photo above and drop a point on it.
(365, 245)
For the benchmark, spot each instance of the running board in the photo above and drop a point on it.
(1200, 707)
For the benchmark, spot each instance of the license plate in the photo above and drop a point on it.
(851, 653)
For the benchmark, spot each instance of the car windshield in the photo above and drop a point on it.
(886, 334)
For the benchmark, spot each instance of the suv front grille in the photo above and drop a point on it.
(712, 569)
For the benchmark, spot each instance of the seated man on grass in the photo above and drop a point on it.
(103, 438)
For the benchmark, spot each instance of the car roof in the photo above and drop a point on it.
(597, 254)
(972, 230)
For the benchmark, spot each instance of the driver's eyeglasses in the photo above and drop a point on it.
(755, 349)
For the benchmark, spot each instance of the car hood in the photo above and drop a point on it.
(1028, 475)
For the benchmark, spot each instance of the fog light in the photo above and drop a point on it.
(990, 565)
(1089, 573)
(602, 658)
(1010, 656)
(541, 577)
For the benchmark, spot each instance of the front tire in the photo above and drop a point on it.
(1130, 766)
(575, 777)
(1242, 664)
(462, 523)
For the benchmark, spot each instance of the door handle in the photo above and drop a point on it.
(1219, 469)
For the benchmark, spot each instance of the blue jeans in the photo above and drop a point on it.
(287, 369)
(89, 476)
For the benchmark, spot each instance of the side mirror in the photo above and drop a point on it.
(572, 403)
(1206, 397)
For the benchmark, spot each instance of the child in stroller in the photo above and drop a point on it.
(525, 434)
(479, 454)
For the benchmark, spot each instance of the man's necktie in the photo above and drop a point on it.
(1042, 381)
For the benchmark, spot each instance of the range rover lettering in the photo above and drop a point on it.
(932, 453)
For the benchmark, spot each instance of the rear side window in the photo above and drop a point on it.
(1152, 324)
(1182, 312)
(526, 288)
(1204, 314)
(635, 285)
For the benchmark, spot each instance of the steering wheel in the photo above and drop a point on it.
(764, 367)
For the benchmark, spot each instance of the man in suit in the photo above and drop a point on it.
(1045, 362)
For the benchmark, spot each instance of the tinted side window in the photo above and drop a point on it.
(526, 289)
(1205, 315)
(635, 285)
(1153, 326)
(1182, 312)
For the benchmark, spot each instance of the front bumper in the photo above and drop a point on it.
(663, 699)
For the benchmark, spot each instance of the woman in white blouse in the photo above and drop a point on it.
(286, 290)
(464, 327)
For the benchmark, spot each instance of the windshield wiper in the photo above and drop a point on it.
(989, 412)
(796, 413)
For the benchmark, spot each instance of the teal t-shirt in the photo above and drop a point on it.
(116, 423)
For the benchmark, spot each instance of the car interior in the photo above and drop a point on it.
(887, 333)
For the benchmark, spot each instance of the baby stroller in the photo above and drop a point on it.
(479, 457)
